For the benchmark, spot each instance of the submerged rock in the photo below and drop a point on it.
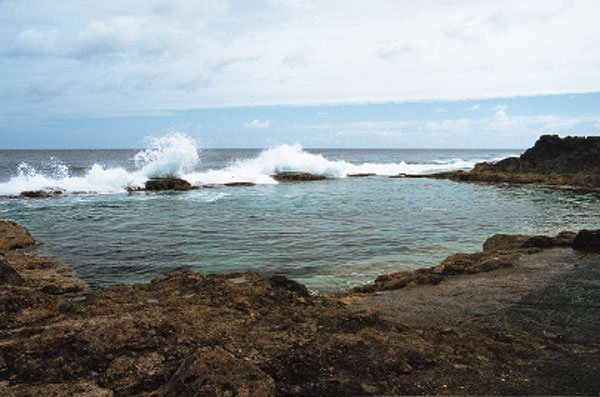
(239, 184)
(587, 240)
(361, 175)
(159, 184)
(297, 177)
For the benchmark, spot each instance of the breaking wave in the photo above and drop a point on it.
(177, 155)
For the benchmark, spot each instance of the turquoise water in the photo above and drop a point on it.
(330, 235)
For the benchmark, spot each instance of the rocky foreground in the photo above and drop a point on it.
(553, 161)
(250, 335)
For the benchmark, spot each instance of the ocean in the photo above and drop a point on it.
(330, 235)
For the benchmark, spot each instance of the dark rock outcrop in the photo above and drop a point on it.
(160, 184)
(297, 177)
(570, 161)
(587, 240)
(499, 251)
(41, 193)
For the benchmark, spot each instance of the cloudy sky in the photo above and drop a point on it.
(377, 73)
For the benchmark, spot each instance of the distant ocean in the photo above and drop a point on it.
(330, 235)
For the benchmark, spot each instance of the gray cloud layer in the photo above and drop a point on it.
(109, 58)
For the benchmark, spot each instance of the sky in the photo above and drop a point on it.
(377, 73)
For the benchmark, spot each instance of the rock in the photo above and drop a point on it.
(240, 334)
(564, 239)
(504, 242)
(510, 242)
(14, 236)
(570, 161)
(213, 371)
(459, 264)
(80, 389)
(587, 240)
(538, 242)
(159, 184)
(400, 280)
(188, 334)
(415, 176)
(8, 274)
(489, 265)
(43, 273)
(361, 175)
(41, 193)
(31, 271)
(297, 177)
(499, 251)
(239, 184)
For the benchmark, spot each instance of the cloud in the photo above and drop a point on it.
(32, 42)
(140, 55)
(258, 124)
(500, 130)
(500, 112)
(474, 107)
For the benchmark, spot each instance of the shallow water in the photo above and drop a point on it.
(330, 235)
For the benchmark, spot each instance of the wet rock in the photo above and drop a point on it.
(587, 240)
(361, 175)
(239, 184)
(160, 184)
(41, 194)
(297, 177)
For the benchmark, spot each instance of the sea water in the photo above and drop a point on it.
(331, 235)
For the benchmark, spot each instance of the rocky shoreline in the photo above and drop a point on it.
(552, 161)
(252, 335)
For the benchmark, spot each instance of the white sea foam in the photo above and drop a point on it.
(293, 158)
(171, 155)
(177, 155)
